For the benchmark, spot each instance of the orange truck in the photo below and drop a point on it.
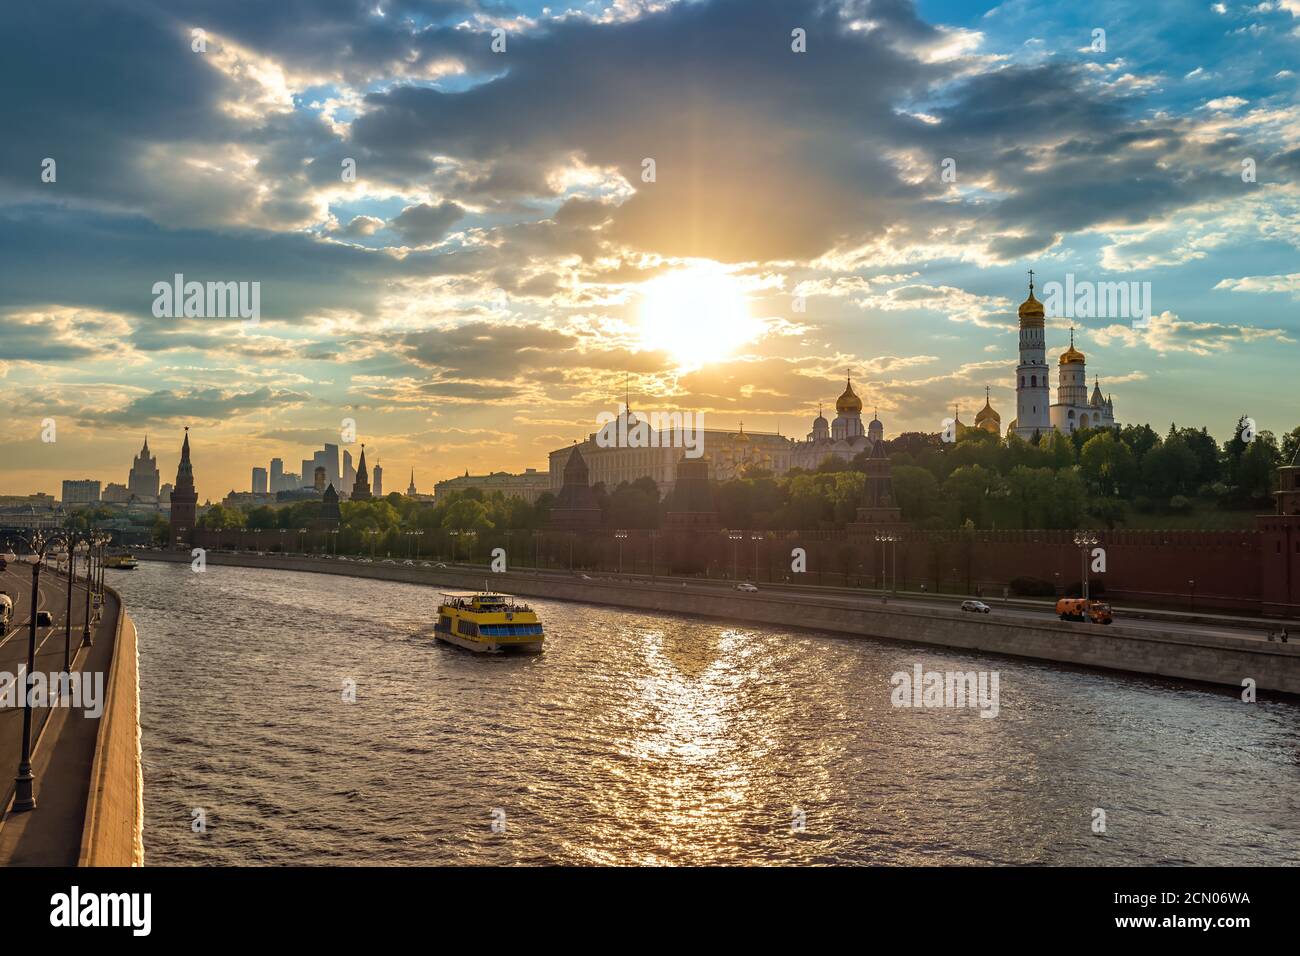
(1077, 609)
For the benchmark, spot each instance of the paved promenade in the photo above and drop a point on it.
(64, 740)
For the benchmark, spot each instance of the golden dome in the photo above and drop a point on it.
(988, 412)
(742, 437)
(848, 402)
(1071, 356)
(1032, 312)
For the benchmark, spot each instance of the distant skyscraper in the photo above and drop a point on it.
(83, 492)
(307, 472)
(143, 480)
(259, 481)
(277, 474)
(332, 465)
(184, 498)
(349, 473)
(378, 480)
(318, 481)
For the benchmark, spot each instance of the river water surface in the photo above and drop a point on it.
(642, 738)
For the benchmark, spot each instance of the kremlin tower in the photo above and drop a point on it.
(361, 489)
(184, 498)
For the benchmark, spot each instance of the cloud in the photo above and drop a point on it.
(425, 224)
(1167, 332)
(1278, 283)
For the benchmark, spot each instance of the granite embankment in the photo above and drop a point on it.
(1176, 652)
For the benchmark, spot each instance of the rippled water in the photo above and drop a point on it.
(639, 738)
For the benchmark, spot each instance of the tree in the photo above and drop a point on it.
(1108, 464)
(917, 493)
(467, 513)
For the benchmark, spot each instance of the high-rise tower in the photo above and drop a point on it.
(184, 498)
(143, 478)
(1033, 395)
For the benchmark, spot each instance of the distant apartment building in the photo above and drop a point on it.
(529, 486)
(377, 481)
(80, 492)
(259, 481)
(277, 474)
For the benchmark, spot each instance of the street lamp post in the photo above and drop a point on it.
(86, 639)
(1085, 540)
(1191, 593)
(620, 536)
(888, 537)
(756, 538)
(735, 536)
(654, 535)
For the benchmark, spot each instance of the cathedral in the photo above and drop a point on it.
(1073, 408)
(843, 438)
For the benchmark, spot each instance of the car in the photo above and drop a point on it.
(978, 607)
(745, 586)
(440, 565)
(343, 557)
(409, 564)
(389, 561)
(425, 564)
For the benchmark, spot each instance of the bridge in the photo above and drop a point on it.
(82, 731)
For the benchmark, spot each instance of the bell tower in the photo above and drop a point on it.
(1033, 396)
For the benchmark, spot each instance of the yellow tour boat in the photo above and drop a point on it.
(120, 562)
(488, 623)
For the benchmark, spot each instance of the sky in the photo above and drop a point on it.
(553, 204)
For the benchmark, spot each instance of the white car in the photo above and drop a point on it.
(978, 607)
(744, 586)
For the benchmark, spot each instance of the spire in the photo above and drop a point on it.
(145, 452)
(361, 489)
(1031, 283)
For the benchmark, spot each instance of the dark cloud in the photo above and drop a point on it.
(423, 224)
(200, 404)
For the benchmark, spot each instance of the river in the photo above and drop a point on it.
(651, 739)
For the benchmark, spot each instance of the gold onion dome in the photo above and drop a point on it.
(848, 402)
(988, 412)
(1072, 356)
(1032, 313)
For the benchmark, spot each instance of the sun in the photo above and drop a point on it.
(697, 315)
